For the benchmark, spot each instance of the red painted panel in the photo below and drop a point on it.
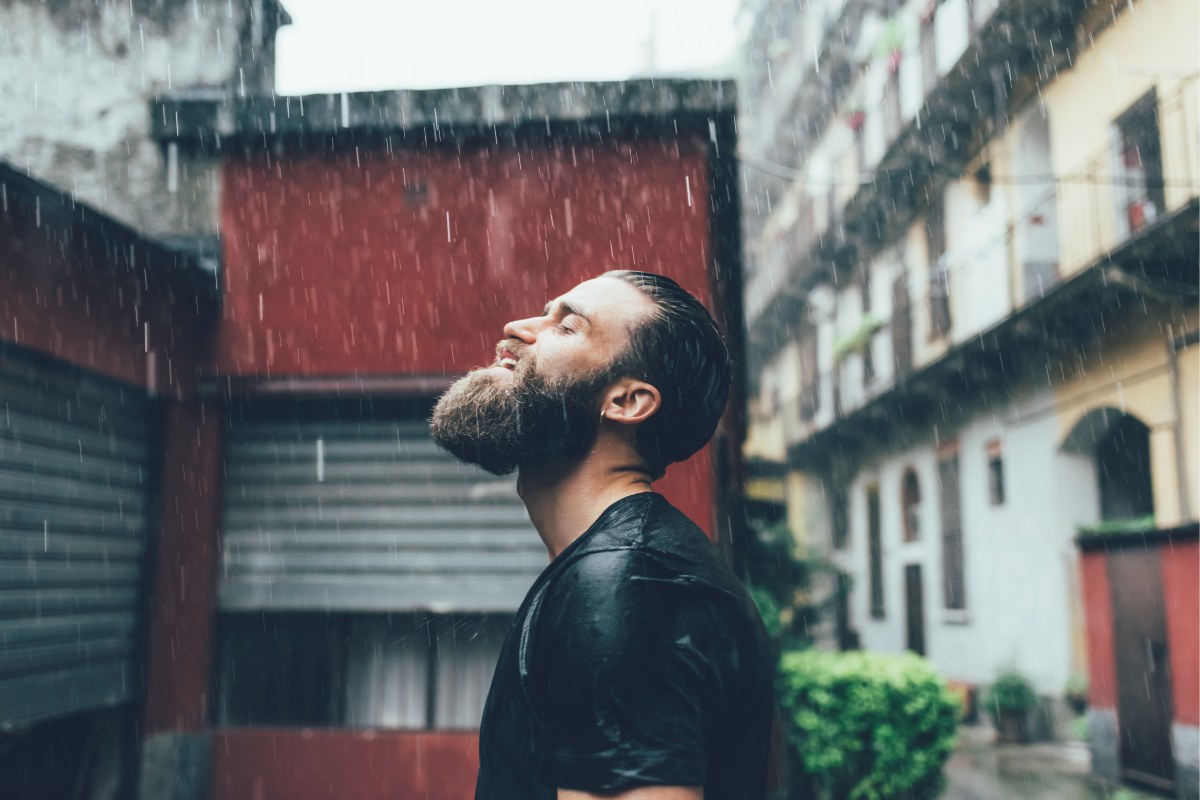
(185, 577)
(365, 262)
(55, 301)
(1097, 605)
(273, 764)
(1181, 593)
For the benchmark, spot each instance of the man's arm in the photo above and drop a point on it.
(641, 793)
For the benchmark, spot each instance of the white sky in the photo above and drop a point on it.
(360, 45)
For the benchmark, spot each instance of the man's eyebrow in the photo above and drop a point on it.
(566, 308)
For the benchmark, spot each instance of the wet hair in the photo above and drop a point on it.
(680, 351)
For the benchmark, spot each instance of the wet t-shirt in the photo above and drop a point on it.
(636, 659)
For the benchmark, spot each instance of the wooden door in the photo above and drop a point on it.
(1143, 679)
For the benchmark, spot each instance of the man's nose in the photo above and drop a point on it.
(525, 329)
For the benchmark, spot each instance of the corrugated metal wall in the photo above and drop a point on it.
(368, 516)
(73, 526)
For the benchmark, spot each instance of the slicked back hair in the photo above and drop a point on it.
(680, 351)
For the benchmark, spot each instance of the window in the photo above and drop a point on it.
(995, 461)
(875, 552)
(953, 577)
(901, 324)
(1139, 173)
(910, 502)
(839, 519)
(939, 279)
(416, 671)
(810, 382)
(343, 525)
(868, 357)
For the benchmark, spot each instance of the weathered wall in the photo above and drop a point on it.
(361, 262)
(77, 77)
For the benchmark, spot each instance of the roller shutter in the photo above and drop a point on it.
(74, 510)
(368, 516)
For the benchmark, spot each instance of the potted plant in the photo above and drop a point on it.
(1076, 693)
(1010, 699)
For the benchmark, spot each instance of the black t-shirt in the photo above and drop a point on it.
(636, 659)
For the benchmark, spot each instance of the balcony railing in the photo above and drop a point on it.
(913, 158)
(1108, 210)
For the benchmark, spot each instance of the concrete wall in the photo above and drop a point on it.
(77, 78)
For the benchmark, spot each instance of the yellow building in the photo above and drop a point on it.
(971, 297)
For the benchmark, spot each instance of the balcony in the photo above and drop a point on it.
(1123, 229)
(935, 145)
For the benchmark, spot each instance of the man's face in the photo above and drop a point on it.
(540, 402)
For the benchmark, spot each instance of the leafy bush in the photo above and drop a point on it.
(865, 726)
(1011, 691)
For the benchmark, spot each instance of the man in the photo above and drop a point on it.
(637, 667)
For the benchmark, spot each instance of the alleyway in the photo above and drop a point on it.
(979, 770)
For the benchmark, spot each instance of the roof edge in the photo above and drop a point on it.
(213, 114)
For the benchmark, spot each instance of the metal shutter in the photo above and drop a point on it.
(73, 525)
(368, 516)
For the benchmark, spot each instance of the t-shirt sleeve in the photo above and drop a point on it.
(620, 677)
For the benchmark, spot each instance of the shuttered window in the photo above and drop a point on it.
(74, 513)
(371, 566)
(939, 276)
(366, 516)
(953, 576)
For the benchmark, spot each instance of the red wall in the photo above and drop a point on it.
(1181, 591)
(262, 764)
(1097, 603)
(334, 268)
(55, 299)
(181, 626)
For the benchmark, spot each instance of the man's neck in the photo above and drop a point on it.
(563, 502)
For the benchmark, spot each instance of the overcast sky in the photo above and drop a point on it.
(359, 45)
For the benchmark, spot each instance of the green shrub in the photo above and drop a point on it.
(865, 726)
(1011, 691)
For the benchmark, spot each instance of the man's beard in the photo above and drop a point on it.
(529, 421)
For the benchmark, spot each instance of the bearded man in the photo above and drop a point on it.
(637, 666)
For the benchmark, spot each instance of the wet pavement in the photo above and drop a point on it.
(982, 770)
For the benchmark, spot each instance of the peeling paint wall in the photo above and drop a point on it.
(77, 78)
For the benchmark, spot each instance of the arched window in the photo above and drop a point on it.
(910, 501)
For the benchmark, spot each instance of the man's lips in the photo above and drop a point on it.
(507, 359)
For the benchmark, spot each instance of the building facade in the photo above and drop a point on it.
(358, 581)
(971, 274)
(238, 309)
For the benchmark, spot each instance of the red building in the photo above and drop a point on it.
(101, 337)
(329, 589)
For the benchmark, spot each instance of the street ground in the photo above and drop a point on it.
(981, 770)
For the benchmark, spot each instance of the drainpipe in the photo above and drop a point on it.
(1174, 345)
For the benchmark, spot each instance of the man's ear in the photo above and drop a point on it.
(630, 402)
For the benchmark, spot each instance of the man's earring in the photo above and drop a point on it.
(602, 413)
